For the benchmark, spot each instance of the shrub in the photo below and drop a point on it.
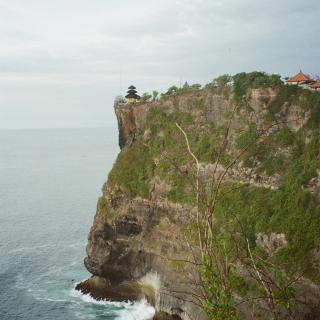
(222, 80)
(284, 137)
(104, 206)
(133, 170)
(244, 81)
(154, 95)
(286, 94)
(195, 86)
(146, 97)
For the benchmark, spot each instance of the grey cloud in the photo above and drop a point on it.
(59, 48)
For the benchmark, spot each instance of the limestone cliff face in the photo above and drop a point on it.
(139, 234)
(140, 242)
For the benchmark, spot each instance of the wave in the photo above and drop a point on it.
(139, 310)
(52, 300)
(44, 246)
(31, 248)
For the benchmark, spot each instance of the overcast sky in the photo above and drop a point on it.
(62, 62)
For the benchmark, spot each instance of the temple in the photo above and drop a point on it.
(315, 86)
(304, 81)
(300, 79)
(132, 95)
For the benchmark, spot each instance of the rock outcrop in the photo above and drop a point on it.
(137, 247)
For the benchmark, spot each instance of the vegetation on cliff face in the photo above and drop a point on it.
(133, 170)
(104, 207)
(290, 152)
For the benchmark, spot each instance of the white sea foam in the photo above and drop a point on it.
(152, 280)
(139, 310)
(51, 299)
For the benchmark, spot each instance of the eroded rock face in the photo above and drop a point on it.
(142, 239)
(131, 120)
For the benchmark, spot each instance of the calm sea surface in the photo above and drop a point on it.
(49, 184)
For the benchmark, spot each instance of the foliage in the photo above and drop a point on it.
(244, 81)
(248, 139)
(133, 170)
(174, 90)
(209, 85)
(311, 101)
(136, 165)
(289, 210)
(103, 203)
(208, 146)
(284, 137)
(196, 86)
(155, 94)
(285, 94)
(171, 91)
(242, 211)
(222, 80)
(219, 304)
(268, 156)
(104, 206)
(164, 137)
(238, 284)
(285, 295)
(146, 97)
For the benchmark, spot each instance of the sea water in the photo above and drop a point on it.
(49, 184)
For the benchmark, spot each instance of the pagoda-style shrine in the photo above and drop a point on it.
(132, 95)
(300, 79)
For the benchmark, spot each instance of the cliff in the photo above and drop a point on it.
(142, 241)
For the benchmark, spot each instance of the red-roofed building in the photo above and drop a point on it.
(300, 79)
(315, 86)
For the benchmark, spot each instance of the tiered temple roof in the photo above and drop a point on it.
(132, 93)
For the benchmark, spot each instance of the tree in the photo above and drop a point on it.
(220, 258)
(222, 80)
(155, 94)
(209, 85)
(196, 86)
(146, 97)
(172, 90)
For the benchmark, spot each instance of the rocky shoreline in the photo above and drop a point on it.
(99, 289)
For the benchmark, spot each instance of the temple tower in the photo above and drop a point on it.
(132, 95)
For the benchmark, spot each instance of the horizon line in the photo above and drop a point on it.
(58, 128)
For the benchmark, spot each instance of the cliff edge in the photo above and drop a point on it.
(141, 244)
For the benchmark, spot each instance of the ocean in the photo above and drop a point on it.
(50, 181)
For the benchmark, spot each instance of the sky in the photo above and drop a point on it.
(62, 62)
